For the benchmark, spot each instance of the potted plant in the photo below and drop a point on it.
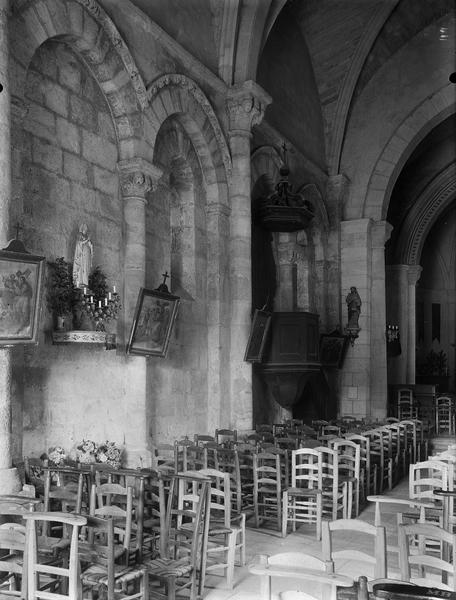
(434, 370)
(60, 295)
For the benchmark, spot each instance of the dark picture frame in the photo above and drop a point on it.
(153, 321)
(259, 330)
(333, 347)
(21, 291)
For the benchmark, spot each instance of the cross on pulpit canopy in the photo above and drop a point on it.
(18, 227)
(163, 287)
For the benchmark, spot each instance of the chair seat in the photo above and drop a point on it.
(96, 574)
(163, 567)
(297, 491)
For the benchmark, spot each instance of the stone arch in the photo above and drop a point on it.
(434, 199)
(432, 111)
(88, 30)
(176, 94)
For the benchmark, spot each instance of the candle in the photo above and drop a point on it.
(85, 291)
(99, 303)
(106, 302)
(114, 289)
(91, 299)
(109, 296)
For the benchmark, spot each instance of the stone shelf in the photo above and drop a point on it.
(79, 337)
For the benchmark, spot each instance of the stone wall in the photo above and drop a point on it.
(69, 177)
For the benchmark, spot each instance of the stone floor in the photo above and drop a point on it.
(270, 541)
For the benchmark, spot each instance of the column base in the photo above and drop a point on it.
(10, 482)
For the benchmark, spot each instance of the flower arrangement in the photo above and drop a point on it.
(107, 452)
(97, 303)
(110, 454)
(56, 455)
(60, 288)
(86, 451)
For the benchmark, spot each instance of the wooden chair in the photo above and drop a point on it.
(267, 488)
(67, 576)
(341, 540)
(65, 494)
(98, 556)
(226, 437)
(406, 408)
(444, 415)
(380, 457)
(12, 548)
(334, 491)
(165, 457)
(186, 527)
(426, 476)
(302, 502)
(111, 500)
(227, 460)
(301, 570)
(423, 566)
(226, 532)
(201, 439)
(194, 457)
(368, 472)
(349, 461)
(156, 484)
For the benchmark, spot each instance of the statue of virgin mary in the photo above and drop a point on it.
(83, 254)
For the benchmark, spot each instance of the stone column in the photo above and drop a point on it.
(245, 104)
(380, 233)
(397, 314)
(137, 178)
(9, 479)
(414, 273)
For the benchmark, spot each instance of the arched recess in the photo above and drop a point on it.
(195, 157)
(432, 111)
(431, 203)
(88, 30)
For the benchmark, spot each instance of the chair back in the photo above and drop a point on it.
(426, 476)
(341, 540)
(12, 549)
(305, 468)
(421, 565)
(71, 585)
(111, 500)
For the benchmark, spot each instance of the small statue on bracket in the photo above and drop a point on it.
(353, 301)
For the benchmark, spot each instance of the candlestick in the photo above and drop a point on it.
(91, 299)
(85, 291)
(109, 296)
(114, 289)
(99, 303)
(106, 302)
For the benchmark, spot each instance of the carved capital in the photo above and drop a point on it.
(137, 177)
(414, 273)
(246, 105)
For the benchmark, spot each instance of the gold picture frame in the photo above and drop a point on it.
(153, 321)
(21, 291)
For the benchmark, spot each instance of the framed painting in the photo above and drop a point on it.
(152, 323)
(258, 336)
(21, 290)
(332, 349)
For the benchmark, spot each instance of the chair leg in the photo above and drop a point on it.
(230, 560)
(284, 514)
